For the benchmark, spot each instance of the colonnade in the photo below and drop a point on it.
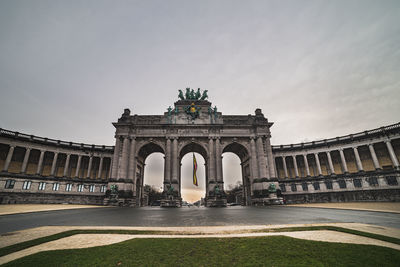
(99, 172)
(305, 156)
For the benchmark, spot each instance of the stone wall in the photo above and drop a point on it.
(17, 188)
(349, 196)
(40, 198)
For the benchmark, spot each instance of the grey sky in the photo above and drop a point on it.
(318, 69)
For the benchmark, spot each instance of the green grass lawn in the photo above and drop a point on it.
(255, 251)
(41, 240)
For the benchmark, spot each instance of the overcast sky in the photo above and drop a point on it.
(318, 69)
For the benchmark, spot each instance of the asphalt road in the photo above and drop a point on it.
(155, 216)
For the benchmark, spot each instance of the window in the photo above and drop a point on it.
(42, 186)
(342, 183)
(293, 187)
(56, 186)
(91, 188)
(103, 189)
(10, 184)
(80, 187)
(357, 182)
(68, 187)
(316, 185)
(373, 181)
(304, 186)
(328, 184)
(27, 185)
(391, 180)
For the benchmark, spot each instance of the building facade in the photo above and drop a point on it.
(357, 167)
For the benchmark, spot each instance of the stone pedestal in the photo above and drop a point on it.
(216, 196)
(116, 201)
(171, 202)
(216, 202)
(263, 197)
(121, 195)
(265, 201)
(171, 197)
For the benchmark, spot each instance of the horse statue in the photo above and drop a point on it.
(204, 96)
(198, 94)
(192, 95)
(187, 94)
(181, 95)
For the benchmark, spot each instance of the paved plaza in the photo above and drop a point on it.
(170, 217)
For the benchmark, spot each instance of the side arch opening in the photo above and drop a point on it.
(236, 174)
(149, 175)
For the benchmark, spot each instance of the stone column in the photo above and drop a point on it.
(40, 163)
(262, 163)
(78, 166)
(25, 162)
(331, 168)
(285, 167)
(373, 156)
(89, 170)
(318, 164)
(392, 154)
(110, 169)
(275, 169)
(54, 164)
(343, 160)
(253, 158)
(218, 160)
(167, 161)
(132, 160)
(9, 158)
(270, 158)
(306, 164)
(100, 167)
(211, 158)
(66, 166)
(296, 170)
(123, 166)
(358, 160)
(175, 159)
(114, 165)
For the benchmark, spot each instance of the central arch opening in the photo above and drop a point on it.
(191, 193)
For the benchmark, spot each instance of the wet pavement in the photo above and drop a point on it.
(155, 216)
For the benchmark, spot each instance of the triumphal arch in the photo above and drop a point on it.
(362, 166)
(193, 125)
